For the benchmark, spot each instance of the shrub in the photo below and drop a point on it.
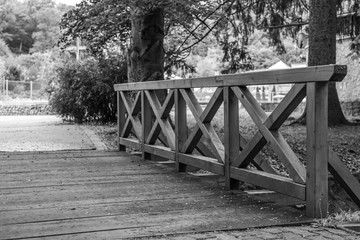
(85, 90)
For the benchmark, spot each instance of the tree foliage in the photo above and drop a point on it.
(30, 25)
(84, 91)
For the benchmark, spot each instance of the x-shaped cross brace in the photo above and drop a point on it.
(269, 130)
(132, 121)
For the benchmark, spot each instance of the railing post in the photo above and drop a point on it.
(7, 87)
(180, 128)
(146, 118)
(232, 137)
(317, 150)
(31, 89)
(120, 119)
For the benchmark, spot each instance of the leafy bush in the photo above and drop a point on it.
(85, 91)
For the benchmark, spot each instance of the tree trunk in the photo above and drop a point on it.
(146, 52)
(322, 49)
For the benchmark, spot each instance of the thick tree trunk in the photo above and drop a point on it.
(322, 49)
(146, 52)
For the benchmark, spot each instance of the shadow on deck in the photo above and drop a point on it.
(92, 195)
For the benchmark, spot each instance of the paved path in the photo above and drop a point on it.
(43, 133)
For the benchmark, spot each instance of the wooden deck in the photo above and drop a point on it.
(114, 195)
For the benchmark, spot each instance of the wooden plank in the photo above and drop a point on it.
(163, 122)
(143, 225)
(250, 151)
(342, 174)
(207, 130)
(202, 162)
(274, 121)
(127, 129)
(181, 129)
(54, 155)
(118, 207)
(251, 105)
(161, 151)
(121, 196)
(270, 181)
(259, 162)
(155, 133)
(286, 155)
(168, 105)
(146, 117)
(120, 119)
(284, 109)
(206, 116)
(317, 147)
(131, 143)
(284, 76)
(133, 109)
(231, 132)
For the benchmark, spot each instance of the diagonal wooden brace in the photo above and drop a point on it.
(203, 126)
(268, 130)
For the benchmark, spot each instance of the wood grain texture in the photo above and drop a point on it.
(115, 195)
(324, 73)
(317, 148)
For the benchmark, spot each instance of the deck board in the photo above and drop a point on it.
(113, 195)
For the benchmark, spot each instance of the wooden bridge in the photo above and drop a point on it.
(115, 195)
(156, 133)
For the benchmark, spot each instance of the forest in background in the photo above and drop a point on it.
(29, 50)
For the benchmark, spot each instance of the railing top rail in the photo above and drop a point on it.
(323, 73)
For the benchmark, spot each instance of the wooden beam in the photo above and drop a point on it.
(159, 114)
(270, 181)
(133, 109)
(251, 105)
(286, 155)
(146, 117)
(207, 130)
(259, 162)
(202, 162)
(161, 151)
(231, 133)
(204, 116)
(120, 119)
(181, 129)
(324, 73)
(342, 174)
(130, 143)
(317, 150)
(274, 122)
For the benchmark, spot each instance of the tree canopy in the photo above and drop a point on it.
(188, 23)
(30, 25)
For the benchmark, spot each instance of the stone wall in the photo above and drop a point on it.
(28, 109)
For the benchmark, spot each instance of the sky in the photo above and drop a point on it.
(69, 2)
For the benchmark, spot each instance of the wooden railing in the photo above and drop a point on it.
(145, 123)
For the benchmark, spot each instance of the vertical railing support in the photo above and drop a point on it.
(146, 118)
(120, 119)
(317, 150)
(181, 131)
(31, 89)
(232, 137)
(7, 87)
